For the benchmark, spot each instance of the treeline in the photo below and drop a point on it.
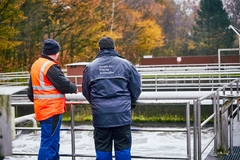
(139, 27)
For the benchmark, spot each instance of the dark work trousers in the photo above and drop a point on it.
(50, 137)
(119, 136)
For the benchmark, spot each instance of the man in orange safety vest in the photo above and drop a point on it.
(47, 88)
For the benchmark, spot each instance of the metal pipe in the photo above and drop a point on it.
(195, 132)
(180, 95)
(188, 130)
(237, 32)
(231, 129)
(199, 129)
(72, 131)
(219, 57)
(207, 120)
(215, 110)
(30, 117)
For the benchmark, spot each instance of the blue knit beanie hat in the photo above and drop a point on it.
(50, 47)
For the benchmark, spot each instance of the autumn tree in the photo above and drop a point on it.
(31, 33)
(177, 20)
(73, 24)
(10, 14)
(137, 28)
(233, 8)
(81, 29)
(211, 30)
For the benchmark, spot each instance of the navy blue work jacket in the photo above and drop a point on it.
(111, 84)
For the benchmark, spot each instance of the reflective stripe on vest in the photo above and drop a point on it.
(44, 96)
(42, 86)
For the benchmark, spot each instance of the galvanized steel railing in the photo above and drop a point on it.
(158, 78)
(226, 89)
(73, 129)
(228, 94)
(223, 114)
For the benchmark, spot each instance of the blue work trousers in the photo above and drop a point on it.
(50, 137)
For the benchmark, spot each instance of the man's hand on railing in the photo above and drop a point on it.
(76, 91)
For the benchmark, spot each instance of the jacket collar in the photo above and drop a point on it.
(49, 58)
(108, 52)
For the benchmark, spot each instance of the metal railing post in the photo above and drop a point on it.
(231, 129)
(199, 129)
(72, 131)
(219, 123)
(156, 83)
(199, 82)
(195, 131)
(238, 117)
(216, 123)
(188, 130)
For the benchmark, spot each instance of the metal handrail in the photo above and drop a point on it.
(214, 95)
(230, 91)
(74, 129)
(155, 97)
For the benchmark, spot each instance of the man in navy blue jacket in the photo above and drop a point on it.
(112, 85)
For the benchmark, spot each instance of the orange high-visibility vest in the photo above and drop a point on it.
(48, 101)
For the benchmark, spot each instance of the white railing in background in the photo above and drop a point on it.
(158, 78)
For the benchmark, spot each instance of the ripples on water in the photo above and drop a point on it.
(154, 144)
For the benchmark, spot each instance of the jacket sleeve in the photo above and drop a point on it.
(86, 85)
(134, 84)
(30, 90)
(60, 82)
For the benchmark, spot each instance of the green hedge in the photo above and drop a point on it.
(145, 113)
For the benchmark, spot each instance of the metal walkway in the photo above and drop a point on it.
(235, 155)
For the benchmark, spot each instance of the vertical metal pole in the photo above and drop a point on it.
(199, 82)
(156, 83)
(199, 129)
(176, 88)
(237, 99)
(238, 109)
(219, 61)
(188, 130)
(231, 88)
(195, 133)
(218, 122)
(215, 110)
(72, 131)
(231, 129)
(239, 43)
